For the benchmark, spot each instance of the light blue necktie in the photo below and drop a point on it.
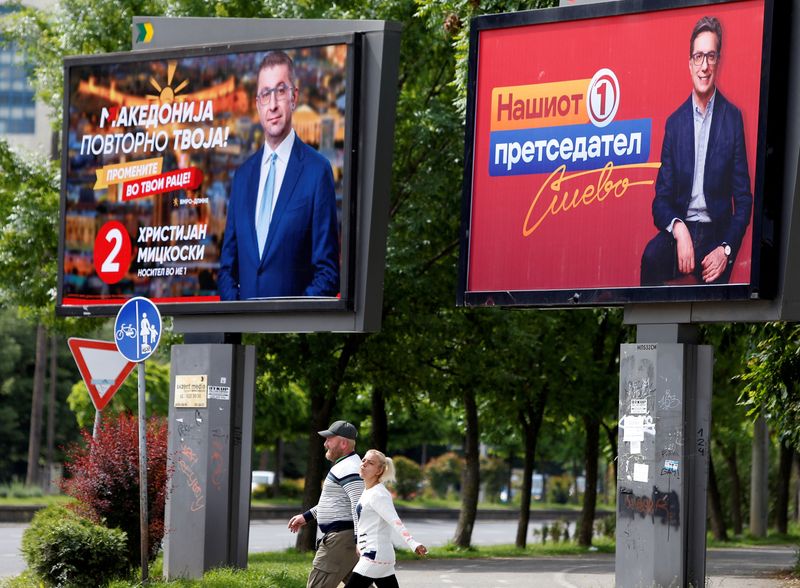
(265, 213)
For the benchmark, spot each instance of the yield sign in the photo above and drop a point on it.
(102, 366)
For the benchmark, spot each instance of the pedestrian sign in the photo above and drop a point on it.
(102, 367)
(137, 329)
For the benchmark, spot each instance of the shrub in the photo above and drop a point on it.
(104, 477)
(558, 489)
(292, 488)
(606, 526)
(494, 474)
(17, 489)
(64, 549)
(444, 473)
(409, 476)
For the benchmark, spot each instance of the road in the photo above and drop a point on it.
(757, 567)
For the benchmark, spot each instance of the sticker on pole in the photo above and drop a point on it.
(137, 329)
(102, 367)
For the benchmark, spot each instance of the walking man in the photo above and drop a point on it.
(336, 511)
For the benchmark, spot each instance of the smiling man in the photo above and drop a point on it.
(703, 200)
(281, 234)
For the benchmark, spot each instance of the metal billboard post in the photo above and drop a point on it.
(664, 435)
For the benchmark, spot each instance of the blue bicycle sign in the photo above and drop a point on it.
(126, 330)
(137, 329)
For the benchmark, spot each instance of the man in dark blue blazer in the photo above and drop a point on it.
(703, 200)
(281, 234)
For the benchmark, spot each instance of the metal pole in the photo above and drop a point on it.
(143, 518)
(97, 418)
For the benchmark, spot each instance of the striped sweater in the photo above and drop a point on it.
(341, 490)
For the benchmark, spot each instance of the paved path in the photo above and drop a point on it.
(726, 568)
(758, 567)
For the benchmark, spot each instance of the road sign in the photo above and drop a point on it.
(137, 329)
(102, 367)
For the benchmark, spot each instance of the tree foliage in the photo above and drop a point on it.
(772, 378)
(104, 478)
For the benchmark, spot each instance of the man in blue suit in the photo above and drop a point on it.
(281, 236)
(703, 201)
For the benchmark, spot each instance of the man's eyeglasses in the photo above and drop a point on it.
(282, 93)
(711, 57)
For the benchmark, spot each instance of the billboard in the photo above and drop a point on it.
(170, 190)
(585, 180)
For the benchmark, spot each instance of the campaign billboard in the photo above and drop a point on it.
(211, 179)
(616, 153)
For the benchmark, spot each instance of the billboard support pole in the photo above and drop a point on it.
(211, 406)
(665, 417)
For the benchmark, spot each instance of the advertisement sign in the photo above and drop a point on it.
(582, 161)
(168, 193)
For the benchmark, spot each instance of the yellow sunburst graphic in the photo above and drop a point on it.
(167, 94)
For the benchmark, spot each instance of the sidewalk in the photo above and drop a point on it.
(765, 567)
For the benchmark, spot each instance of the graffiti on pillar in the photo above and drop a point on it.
(186, 461)
(664, 506)
(669, 401)
(218, 464)
(673, 443)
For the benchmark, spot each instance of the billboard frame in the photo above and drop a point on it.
(352, 71)
(769, 162)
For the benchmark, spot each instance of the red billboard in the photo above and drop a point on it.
(614, 154)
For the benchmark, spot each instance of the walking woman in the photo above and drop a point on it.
(377, 518)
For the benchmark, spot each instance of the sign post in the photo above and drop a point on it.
(137, 332)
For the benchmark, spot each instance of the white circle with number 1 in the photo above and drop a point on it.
(603, 97)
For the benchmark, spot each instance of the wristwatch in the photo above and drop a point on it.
(726, 249)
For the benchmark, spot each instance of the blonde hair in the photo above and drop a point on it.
(388, 474)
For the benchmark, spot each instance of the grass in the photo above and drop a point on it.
(746, 540)
(46, 500)
(289, 569)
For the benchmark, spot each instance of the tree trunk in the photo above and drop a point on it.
(51, 412)
(276, 485)
(759, 479)
(612, 433)
(380, 421)
(263, 460)
(797, 487)
(715, 504)
(531, 421)
(784, 477)
(509, 494)
(592, 457)
(321, 411)
(323, 402)
(735, 507)
(471, 483)
(37, 407)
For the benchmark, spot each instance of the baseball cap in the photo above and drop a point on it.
(340, 429)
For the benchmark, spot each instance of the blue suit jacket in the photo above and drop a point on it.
(726, 182)
(301, 255)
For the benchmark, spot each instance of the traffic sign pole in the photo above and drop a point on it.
(143, 516)
(97, 414)
(137, 332)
